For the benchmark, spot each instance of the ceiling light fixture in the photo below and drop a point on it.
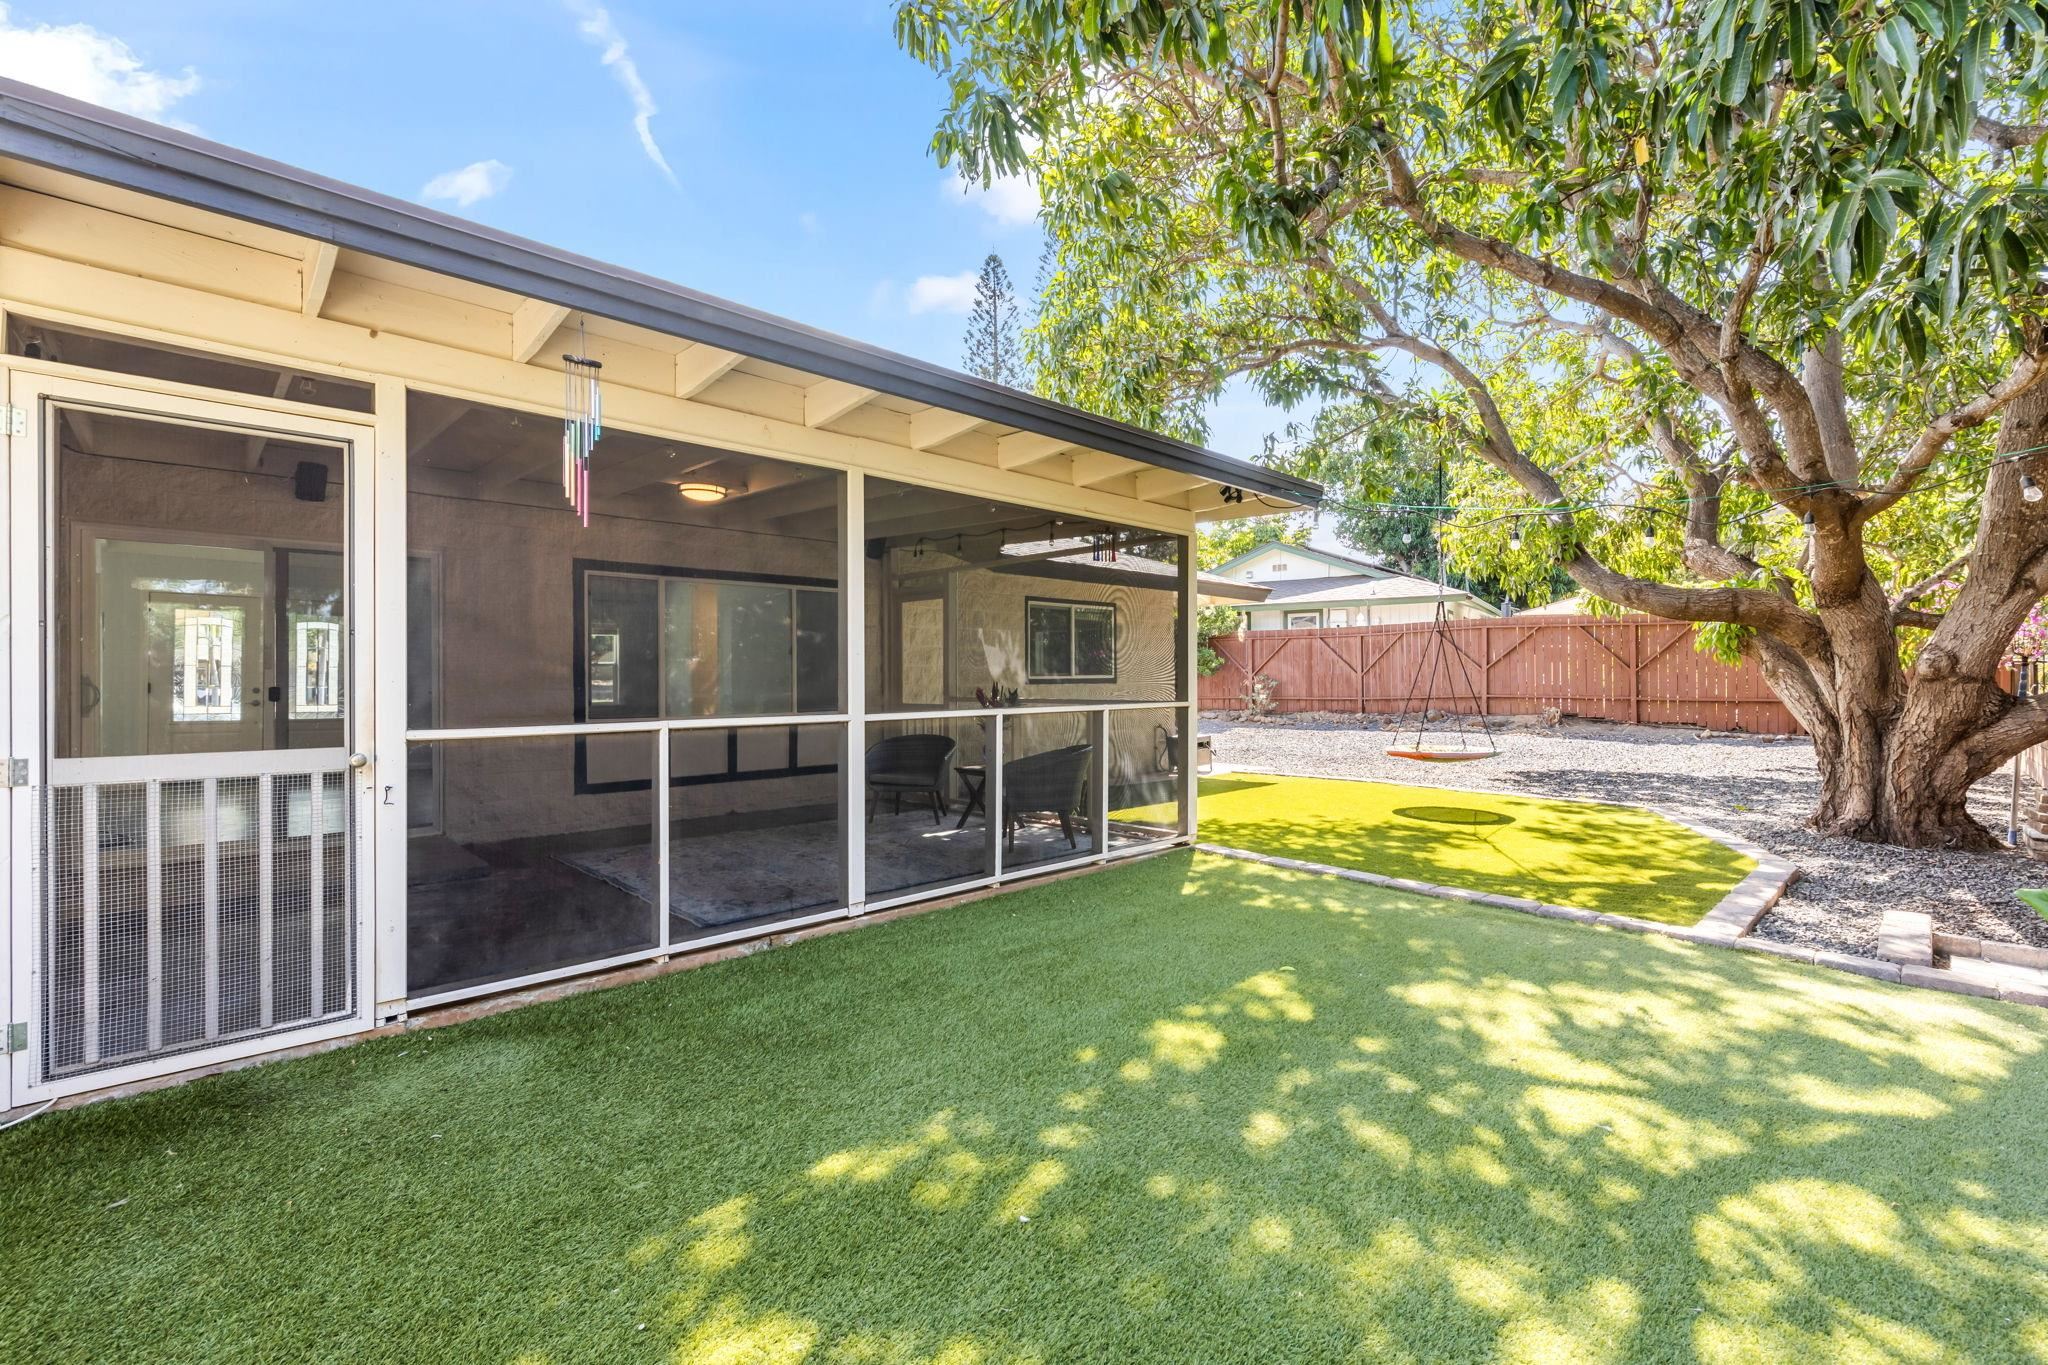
(702, 492)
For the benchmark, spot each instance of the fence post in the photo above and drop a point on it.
(1635, 673)
(1485, 668)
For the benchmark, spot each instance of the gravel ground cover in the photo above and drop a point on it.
(1760, 788)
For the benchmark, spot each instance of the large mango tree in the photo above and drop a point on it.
(1729, 309)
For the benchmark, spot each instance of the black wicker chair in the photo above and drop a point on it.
(913, 765)
(1049, 783)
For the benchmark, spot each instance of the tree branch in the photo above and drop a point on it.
(1935, 438)
(2006, 137)
(1915, 591)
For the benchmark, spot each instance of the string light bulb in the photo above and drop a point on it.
(2029, 490)
(1649, 533)
(1807, 521)
(1515, 535)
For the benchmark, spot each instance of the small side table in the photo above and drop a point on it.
(974, 777)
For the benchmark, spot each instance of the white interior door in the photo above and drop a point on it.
(187, 687)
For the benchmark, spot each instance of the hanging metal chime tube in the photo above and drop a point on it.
(582, 426)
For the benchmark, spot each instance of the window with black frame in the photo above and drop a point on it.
(1070, 641)
(670, 645)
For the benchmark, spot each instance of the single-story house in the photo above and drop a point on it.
(402, 611)
(1573, 605)
(1309, 588)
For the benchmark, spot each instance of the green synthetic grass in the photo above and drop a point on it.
(1250, 1115)
(1614, 859)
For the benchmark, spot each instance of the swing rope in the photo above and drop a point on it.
(1437, 648)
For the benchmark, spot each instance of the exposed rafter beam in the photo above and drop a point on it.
(533, 322)
(698, 368)
(1093, 467)
(819, 494)
(439, 415)
(770, 479)
(253, 454)
(1157, 485)
(315, 276)
(972, 520)
(936, 426)
(1022, 449)
(828, 400)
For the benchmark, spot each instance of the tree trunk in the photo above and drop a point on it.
(1899, 752)
(1909, 787)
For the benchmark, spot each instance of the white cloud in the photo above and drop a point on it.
(80, 61)
(942, 293)
(1008, 200)
(594, 21)
(478, 180)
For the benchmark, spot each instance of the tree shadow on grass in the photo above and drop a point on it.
(1392, 1145)
(1191, 1109)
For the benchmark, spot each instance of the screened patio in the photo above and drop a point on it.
(573, 692)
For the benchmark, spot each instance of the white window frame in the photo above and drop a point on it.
(300, 706)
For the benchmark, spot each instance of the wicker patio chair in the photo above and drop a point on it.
(913, 765)
(1049, 783)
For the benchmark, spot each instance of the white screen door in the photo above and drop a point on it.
(190, 695)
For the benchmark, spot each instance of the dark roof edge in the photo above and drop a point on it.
(68, 135)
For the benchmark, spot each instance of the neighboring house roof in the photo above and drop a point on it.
(1346, 590)
(1346, 563)
(69, 135)
(1083, 567)
(1575, 605)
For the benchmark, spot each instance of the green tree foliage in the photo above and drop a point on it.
(992, 349)
(1210, 623)
(1224, 541)
(1724, 308)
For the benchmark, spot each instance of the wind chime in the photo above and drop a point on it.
(582, 427)
(1105, 548)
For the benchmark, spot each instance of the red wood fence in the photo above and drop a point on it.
(1636, 669)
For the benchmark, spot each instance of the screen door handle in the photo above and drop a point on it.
(358, 761)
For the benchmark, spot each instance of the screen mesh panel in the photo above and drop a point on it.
(180, 915)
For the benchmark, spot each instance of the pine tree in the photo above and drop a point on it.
(992, 351)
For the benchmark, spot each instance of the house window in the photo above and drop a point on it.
(673, 645)
(1340, 617)
(206, 664)
(316, 669)
(1304, 620)
(1279, 567)
(1070, 641)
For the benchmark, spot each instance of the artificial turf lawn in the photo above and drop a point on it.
(1614, 859)
(1251, 1115)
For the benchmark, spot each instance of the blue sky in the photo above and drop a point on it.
(783, 162)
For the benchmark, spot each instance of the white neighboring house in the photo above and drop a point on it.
(1307, 588)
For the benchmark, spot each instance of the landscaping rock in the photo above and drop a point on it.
(1906, 936)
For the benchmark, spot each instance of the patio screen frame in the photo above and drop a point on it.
(851, 718)
(379, 623)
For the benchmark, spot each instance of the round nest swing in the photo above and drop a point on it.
(1460, 736)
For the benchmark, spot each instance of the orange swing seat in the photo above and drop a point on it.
(1440, 755)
